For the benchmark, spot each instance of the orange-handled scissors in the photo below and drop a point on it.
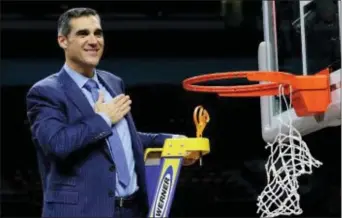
(201, 118)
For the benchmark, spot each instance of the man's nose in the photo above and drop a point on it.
(92, 39)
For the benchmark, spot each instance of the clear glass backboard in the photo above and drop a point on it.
(303, 38)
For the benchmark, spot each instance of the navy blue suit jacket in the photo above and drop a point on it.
(76, 168)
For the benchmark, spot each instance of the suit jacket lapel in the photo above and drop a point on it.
(110, 86)
(75, 94)
(106, 83)
(114, 92)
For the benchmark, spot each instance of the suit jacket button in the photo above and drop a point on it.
(112, 168)
(111, 193)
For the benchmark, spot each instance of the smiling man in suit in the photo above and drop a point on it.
(90, 155)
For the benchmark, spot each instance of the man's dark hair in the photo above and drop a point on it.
(64, 27)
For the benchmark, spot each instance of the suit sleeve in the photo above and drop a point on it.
(51, 130)
(153, 140)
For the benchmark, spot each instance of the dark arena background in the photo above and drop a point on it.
(154, 46)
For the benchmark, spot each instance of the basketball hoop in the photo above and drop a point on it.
(290, 156)
(310, 95)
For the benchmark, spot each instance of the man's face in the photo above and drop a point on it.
(84, 44)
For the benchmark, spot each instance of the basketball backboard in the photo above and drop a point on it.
(303, 38)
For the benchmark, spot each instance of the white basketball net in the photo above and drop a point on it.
(289, 159)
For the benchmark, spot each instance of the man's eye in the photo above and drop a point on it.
(98, 33)
(82, 33)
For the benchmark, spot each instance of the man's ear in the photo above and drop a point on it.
(62, 41)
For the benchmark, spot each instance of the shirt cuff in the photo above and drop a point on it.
(106, 118)
(179, 136)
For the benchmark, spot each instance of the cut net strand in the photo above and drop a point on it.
(289, 158)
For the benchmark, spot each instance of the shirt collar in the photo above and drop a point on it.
(79, 79)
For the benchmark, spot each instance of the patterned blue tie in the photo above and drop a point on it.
(115, 144)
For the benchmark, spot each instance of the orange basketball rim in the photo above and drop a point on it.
(310, 94)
